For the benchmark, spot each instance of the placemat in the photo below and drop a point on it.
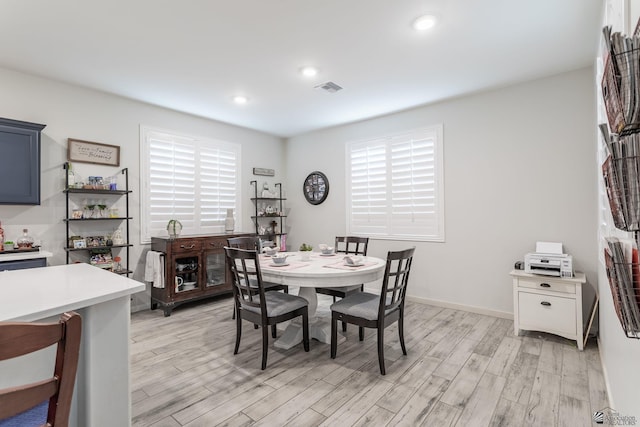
(341, 266)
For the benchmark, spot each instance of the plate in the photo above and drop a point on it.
(354, 265)
(273, 264)
(328, 254)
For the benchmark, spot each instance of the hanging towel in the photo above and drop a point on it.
(154, 269)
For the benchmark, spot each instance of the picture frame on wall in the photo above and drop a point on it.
(93, 152)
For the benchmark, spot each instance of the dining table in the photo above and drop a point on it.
(320, 271)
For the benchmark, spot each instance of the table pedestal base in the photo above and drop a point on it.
(319, 324)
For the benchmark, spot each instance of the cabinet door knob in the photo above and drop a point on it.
(545, 285)
(546, 303)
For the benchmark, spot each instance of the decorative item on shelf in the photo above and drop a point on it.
(9, 245)
(89, 210)
(265, 191)
(174, 227)
(1, 237)
(95, 241)
(101, 258)
(118, 265)
(274, 226)
(229, 221)
(102, 211)
(305, 252)
(113, 183)
(77, 214)
(71, 176)
(114, 213)
(26, 241)
(117, 238)
(72, 240)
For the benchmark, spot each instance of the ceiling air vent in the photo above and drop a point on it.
(330, 87)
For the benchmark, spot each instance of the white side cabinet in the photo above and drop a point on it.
(548, 304)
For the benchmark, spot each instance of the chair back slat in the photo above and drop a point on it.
(246, 277)
(351, 245)
(396, 278)
(20, 338)
(244, 242)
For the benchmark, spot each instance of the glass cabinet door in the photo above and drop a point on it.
(216, 268)
(186, 274)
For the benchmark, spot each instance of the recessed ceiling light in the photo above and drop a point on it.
(424, 22)
(240, 99)
(308, 71)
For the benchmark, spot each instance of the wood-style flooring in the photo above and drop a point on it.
(462, 369)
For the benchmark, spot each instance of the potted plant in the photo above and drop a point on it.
(174, 227)
(8, 245)
(305, 252)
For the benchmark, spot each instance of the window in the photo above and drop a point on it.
(395, 186)
(193, 180)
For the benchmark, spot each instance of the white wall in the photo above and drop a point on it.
(74, 112)
(519, 167)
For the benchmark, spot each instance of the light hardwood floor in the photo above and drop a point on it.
(462, 369)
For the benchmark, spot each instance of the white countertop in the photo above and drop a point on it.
(17, 256)
(38, 293)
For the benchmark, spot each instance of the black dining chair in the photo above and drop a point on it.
(253, 243)
(377, 311)
(347, 245)
(261, 308)
(46, 402)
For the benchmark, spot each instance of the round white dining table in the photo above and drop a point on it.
(320, 271)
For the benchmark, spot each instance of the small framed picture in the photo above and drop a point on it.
(95, 241)
(79, 244)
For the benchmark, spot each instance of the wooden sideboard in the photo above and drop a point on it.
(195, 268)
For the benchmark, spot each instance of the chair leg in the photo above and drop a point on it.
(305, 331)
(334, 337)
(344, 326)
(255, 326)
(401, 332)
(238, 333)
(233, 316)
(381, 349)
(361, 333)
(273, 331)
(265, 345)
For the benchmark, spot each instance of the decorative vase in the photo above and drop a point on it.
(229, 222)
(174, 227)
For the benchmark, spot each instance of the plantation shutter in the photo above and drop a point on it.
(395, 186)
(193, 181)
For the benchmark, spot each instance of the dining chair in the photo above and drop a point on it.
(261, 308)
(377, 311)
(347, 245)
(46, 402)
(253, 243)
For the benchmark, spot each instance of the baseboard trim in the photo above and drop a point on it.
(605, 375)
(470, 308)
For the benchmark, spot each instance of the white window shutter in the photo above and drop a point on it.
(189, 179)
(395, 186)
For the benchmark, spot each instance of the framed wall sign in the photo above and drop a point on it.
(93, 152)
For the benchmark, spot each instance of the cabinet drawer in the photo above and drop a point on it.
(548, 285)
(186, 245)
(215, 244)
(547, 313)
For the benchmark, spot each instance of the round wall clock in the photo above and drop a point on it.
(316, 188)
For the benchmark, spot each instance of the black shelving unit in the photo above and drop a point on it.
(69, 220)
(274, 232)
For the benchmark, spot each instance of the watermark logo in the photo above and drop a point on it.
(609, 416)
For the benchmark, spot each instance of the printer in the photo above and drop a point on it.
(549, 260)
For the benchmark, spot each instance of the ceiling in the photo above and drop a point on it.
(195, 55)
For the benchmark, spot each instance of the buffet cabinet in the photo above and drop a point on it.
(194, 268)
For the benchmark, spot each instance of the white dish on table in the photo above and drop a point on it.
(282, 264)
